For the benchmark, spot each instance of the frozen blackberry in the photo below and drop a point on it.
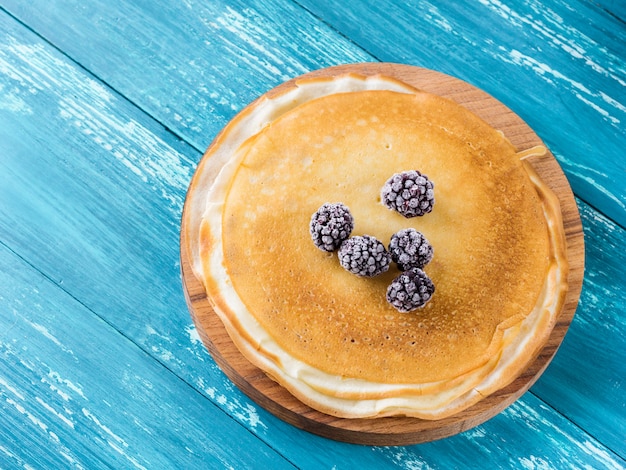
(410, 193)
(410, 290)
(364, 256)
(410, 249)
(330, 225)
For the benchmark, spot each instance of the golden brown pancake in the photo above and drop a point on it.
(331, 337)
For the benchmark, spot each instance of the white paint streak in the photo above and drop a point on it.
(159, 348)
(114, 441)
(245, 412)
(535, 463)
(404, 458)
(600, 454)
(21, 79)
(540, 419)
(603, 190)
(551, 76)
(59, 415)
(62, 394)
(476, 433)
(158, 164)
(598, 108)
(435, 16)
(222, 399)
(10, 100)
(571, 41)
(64, 452)
(210, 391)
(70, 385)
(104, 428)
(6, 452)
(130, 458)
(11, 389)
(163, 354)
(249, 30)
(581, 168)
(44, 331)
(87, 105)
(590, 175)
(265, 52)
(31, 417)
(613, 102)
(196, 345)
(194, 337)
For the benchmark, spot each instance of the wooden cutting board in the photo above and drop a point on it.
(401, 431)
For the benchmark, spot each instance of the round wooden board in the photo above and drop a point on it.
(401, 431)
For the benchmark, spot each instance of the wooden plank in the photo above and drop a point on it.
(528, 434)
(64, 405)
(587, 379)
(559, 65)
(75, 393)
(615, 8)
(129, 212)
(91, 194)
(130, 177)
(190, 64)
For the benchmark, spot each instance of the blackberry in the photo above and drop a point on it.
(410, 249)
(364, 256)
(410, 290)
(410, 193)
(331, 225)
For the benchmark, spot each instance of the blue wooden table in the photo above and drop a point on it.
(107, 106)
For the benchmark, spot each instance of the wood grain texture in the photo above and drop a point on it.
(67, 377)
(596, 342)
(402, 431)
(561, 66)
(91, 188)
(614, 8)
(191, 64)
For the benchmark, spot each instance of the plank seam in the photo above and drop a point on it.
(150, 356)
(615, 453)
(338, 32)
(97, 78)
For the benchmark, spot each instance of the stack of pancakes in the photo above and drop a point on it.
(330, 337)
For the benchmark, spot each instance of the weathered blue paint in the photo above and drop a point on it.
(105, 107)
(191, 64)
(75, 393)
(586, 380)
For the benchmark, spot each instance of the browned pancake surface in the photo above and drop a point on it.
(490, 237)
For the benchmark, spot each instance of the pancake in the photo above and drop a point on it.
(330, 337)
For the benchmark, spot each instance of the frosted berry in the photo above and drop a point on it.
(410, 290)
(364, 256)
(410, 249)
(331, 225)
(410, 193)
